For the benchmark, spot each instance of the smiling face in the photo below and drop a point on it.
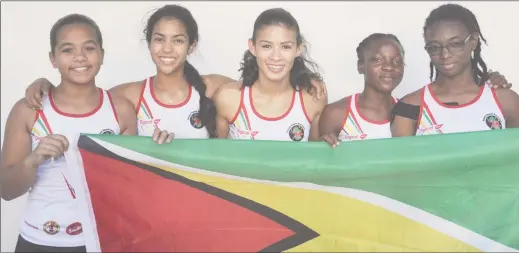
(383, 64)
(77, 54)
(169, 45)
(449, 45)
(275, 49)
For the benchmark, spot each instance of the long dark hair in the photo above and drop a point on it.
(459, 13)
(301, 76)
(207, 109)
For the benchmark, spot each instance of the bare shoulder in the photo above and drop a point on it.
(227, 99)
(413, 98)
(121, 104)
(313, 106)
(21, 114)
(509, 101)
(336, 109)
(214, 82)
(130, 91)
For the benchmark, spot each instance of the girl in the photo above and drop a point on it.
(367, 115)
(76, 105)
(177, 98)
(456, 101)
(272, 100)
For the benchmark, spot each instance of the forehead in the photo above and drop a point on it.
(446, 30)
(385, 46)
(76, 33)
(169, 26)
(276, 33)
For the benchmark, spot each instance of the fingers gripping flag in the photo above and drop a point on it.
(450, 193)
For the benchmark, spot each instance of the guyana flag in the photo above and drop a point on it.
(449, 193)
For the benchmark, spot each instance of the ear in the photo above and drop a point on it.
(192, 48)
(52, 60)
(360, 67)
(252, 47)
(300, 50)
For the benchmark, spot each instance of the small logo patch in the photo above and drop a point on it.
(356, 137)
(107, 131)
(74, 228)
(194, 120)
(51, 227)
(493, 121)
(296, 132)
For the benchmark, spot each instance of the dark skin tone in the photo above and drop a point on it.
(383, 70)
(455, 82)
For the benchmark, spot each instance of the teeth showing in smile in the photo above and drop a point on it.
(81, 69)
(275, 68)
(167, 60)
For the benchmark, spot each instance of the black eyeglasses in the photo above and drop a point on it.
(453, 47)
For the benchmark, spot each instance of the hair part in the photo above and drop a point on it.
(70, 20)
(207, 111)
(455, 12)
(365, 43)
(301, 75)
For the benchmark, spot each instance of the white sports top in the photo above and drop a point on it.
(482, 113)
(181, 119)
(357, 127)
(51, 215)
(294, 125)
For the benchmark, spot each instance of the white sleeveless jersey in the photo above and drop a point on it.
(482, 113)
(181, 119)
(357, 127)
(294, 125)
(51, 215)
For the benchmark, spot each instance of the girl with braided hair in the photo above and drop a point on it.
(456, 100)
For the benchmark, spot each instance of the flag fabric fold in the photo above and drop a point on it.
(455, 192)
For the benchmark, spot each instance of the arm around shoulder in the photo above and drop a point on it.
(509, 101)
(130, 91)
(404, 126)
(227, 100)
(125, 114)
(214, 82)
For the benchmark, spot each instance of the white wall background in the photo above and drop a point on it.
(333, 29)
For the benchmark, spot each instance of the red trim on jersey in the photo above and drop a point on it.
(481, 89)
(166, 105)
(267, 118)
(348, 109)
(36, 117)
(113, 106)
(303, 106)
(239, 107)
(497, 101)
(248, 121)
(355, 118)
(45, 121)
(364, 118)
(141, 97)
(69, 187)
(73, 115)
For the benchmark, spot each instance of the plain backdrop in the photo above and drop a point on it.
(334, 30)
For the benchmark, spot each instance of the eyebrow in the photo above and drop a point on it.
(450, 39)
(174, 36)
(70, 44)
(285, 42)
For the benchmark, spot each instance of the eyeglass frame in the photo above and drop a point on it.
(449, 46)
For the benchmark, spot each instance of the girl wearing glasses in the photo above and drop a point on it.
(452, 103)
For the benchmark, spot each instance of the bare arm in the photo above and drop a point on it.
(509, 101)
(330, 123)
(314, 108)
(130, 91)
(402, 126)
(214, 82)
(19, 164)
(126, 115)
(227, 101)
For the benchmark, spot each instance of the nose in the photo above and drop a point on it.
(168, 47)
(276, 54)
(388, 66)
(445, 53)
(79, 56)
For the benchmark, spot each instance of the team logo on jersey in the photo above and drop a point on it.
(51, 227)
(74, 228)
(296, 132)
(107, 131)
(493, 121)
(194, 120)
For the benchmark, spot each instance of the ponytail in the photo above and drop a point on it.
(207, 110)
